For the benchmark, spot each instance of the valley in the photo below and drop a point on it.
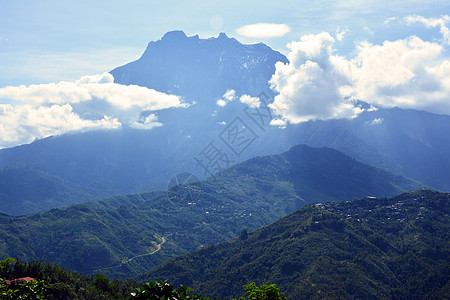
(99, 236)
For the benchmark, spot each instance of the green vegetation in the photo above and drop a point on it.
(47, 281)
(55, 282)
(127, 235)
(370, 248)
(33, 290)
(377, 248)
(264, 292)
(162, 290)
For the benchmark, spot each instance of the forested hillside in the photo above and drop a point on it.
(131, 234)
(372, 248)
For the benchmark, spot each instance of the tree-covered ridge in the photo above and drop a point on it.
(50, 281)
(127, 235)
(373, 248)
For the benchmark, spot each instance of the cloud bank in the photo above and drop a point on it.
(92, 102)
(88, 88)
(24, 123)
(317, 84)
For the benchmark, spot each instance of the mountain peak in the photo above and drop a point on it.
(223, 35)
(174, 35)
(178, 63)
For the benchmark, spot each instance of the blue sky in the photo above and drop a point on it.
(54, 55)
(48, 41)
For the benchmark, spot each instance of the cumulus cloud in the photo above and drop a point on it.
(252, 102)
(229, 96)
(441, 22)
(221, 103)
(87, 88)
(318, 84)
(24, 123)
(309, 85)
(408, 73)
(263, 30)
(278, 122)
(147, 122)
(92, 102)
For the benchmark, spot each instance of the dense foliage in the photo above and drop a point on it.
(50, 281)
(55, 282)
(373, 248)
(263, 292)
(131, 234)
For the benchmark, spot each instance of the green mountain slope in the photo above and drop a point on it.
(25, 190)
(131, 234)
(384, 248)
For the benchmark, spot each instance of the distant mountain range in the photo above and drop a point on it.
(385, 248)
(80, 167)
(120, 236)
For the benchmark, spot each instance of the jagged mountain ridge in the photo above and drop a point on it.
(199, 68)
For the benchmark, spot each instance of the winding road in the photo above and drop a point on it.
(158, 247)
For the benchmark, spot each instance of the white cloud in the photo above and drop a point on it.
(252, 102)
(92, 87)
(433, 22)
(389, 20)
(278, 122)
(309, 85)
(229, 96)
(341, 33)
(221, 103)
(375, 121)
(408, 73)
(149, 122)
(24, 123)
(37, 111)
(318, 84)
(372, 108)
(263, 30)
